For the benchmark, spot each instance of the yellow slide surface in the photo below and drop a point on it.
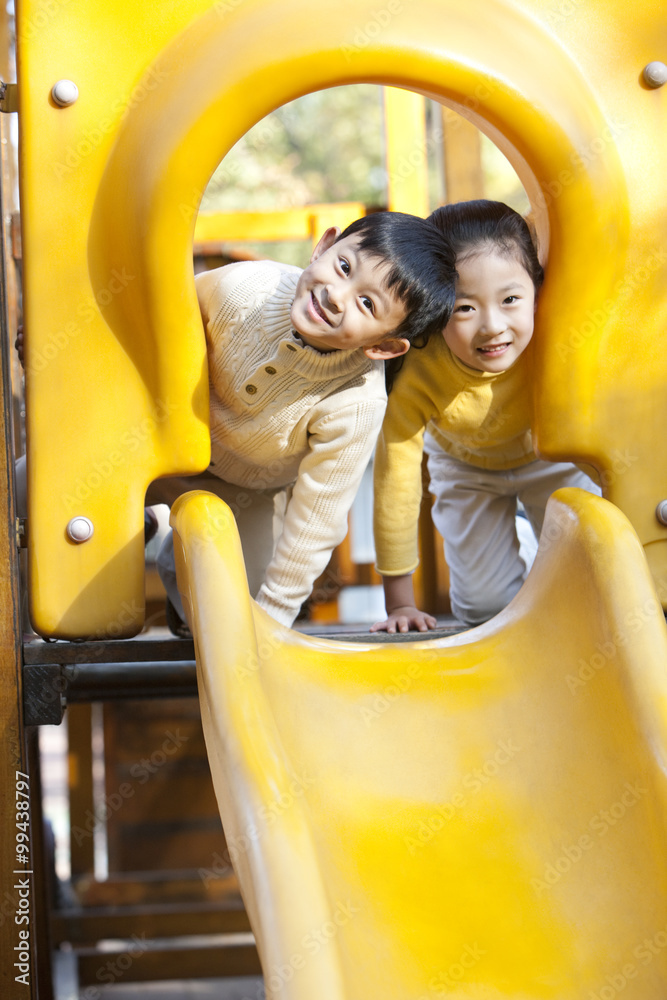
(481, 816)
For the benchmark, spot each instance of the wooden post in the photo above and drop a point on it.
(462, 155)
(17, 916)
(406, 151)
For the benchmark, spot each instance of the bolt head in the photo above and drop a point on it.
(80, 529)
(64, 93)
(655, 74)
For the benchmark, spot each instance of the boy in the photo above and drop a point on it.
(296, 372)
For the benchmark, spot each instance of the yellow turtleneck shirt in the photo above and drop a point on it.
(476, 417)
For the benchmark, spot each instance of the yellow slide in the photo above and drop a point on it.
(481, 816)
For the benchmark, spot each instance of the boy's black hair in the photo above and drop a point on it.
(421, 267)
(473, 226)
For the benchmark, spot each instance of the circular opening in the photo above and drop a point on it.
(332, 147)
(370, 148)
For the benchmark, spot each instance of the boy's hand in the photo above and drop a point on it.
(404, 619)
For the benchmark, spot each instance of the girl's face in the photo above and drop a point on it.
(494, 312)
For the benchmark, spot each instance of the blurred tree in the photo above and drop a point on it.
(329, 146)
(326, 146)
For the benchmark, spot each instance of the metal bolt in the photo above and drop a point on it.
(80, 529)
(655, 74)
(64, 93)
(661, 512)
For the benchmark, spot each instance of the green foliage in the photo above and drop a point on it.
(325, 147)
(329, 147)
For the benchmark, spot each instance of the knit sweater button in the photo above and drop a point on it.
(270, 370)
(251, 389)
(291, 347)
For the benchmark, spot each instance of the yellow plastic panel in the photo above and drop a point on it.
(110, 405)
(600, 387)
(482, 816)
(290, 224)
(111, 188)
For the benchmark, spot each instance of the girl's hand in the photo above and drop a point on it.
(404, 619)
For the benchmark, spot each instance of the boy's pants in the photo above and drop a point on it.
(258, 517)
(475, 512)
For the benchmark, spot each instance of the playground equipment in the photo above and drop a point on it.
(117, 396)
(134, 152)
(483, 815)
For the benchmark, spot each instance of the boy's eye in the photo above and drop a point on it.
(344, 265)
(368, 303)
(511, 299)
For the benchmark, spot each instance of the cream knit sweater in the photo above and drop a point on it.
(284, 414)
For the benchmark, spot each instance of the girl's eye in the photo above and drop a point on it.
(344, 265)
(464, 308)
(511, 299)
(368, 303)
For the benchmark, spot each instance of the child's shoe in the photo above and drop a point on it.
(175, 623)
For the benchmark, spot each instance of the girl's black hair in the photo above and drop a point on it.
(473, 226)
(421, 267)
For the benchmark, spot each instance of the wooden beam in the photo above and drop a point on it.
(462, 155)
(406, 151)
(86, 925)
(307, 223)
(142, 963)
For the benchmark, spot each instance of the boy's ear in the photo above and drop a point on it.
(328, 240)
(392, 347)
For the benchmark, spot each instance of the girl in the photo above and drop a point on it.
(465, 399)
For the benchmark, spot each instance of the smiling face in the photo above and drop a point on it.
(341, 302)
(494, 312)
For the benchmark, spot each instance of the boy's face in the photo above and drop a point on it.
(341, 302)
(494, 312)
